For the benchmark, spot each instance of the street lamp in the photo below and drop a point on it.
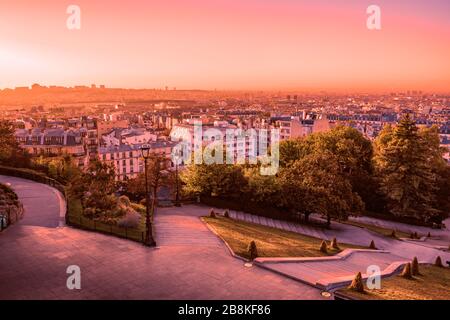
(149, 241)
(177, 187)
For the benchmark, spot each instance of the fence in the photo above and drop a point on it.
(77, 221)
(92, 225)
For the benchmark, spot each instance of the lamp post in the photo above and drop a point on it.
(149, 241)
(177, 187)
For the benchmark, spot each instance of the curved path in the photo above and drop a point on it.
(346, 233)
(190, 263)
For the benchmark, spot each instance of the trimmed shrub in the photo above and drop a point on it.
(438, 262)
(357, 284)
(415, 267)
(252, 250)
(372, 245)
(334, 244)
(407, 272)
(324, 247)
(226, 214)
(212, 214)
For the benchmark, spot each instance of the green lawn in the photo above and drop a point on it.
(433, 284)
(270, 242)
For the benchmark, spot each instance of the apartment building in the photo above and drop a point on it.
(242, 144)
(52, 142)
(128, 136)
(127, 159)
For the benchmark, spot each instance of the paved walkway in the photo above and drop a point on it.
(439, 237)
(189, 264)
(328, 271)
(319, 271)
(279, 224)
(353, 235)
(405, 227)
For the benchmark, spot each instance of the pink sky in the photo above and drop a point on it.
(227, 44)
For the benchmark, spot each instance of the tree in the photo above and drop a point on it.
(61, 168)
(10, 152)
(95, 187)
(315, 184)
(214, 180)
(158, 175)
(404, 161)
(265, 190)
(440, 168)
(354, 156)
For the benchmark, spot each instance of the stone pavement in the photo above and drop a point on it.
(189, 264)
(325, 271)
(279, 224)
(353, 235)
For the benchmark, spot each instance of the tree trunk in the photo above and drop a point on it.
(307, 217)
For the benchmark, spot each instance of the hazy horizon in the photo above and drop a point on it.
(254, 45)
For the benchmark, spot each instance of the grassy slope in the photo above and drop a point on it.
(271, 242)
(432, 284)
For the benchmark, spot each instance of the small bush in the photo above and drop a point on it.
(429, 235)
(334, 244)
(415, 267)
(323, 247)
(130, 220)
(212, 214)
(407, 272)
(138, 207)
(252, 250)
(416, 236)
(357, 284)
(124, 200)
(393, 234)
(226, 214)
(438, 262)
(372, 245)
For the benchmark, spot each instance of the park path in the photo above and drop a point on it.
(313, 272)
(328, 273)
(190, 262)
(352, 235)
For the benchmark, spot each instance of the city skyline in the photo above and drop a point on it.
(256, 45)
